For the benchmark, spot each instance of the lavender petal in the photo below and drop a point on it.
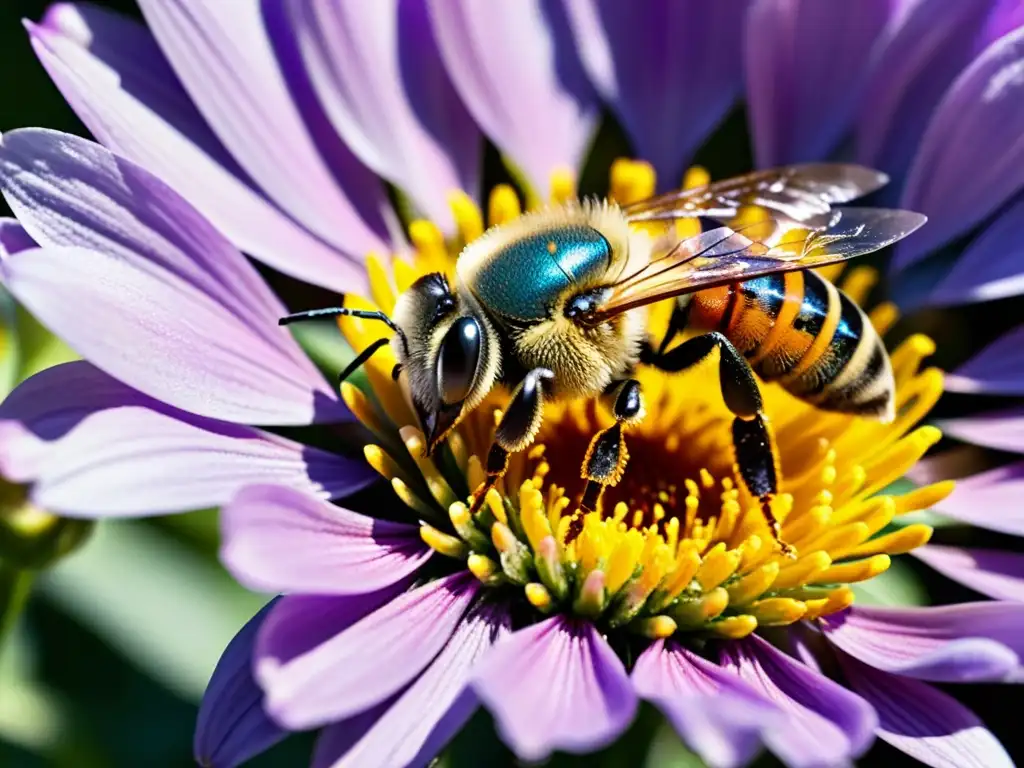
(369, 661)
(231, 726)
(718, 715)
(953, 179)
(13, 238)
(224, 56)
(805, 71)
(277, 539)
(637, 53)
(825, 723)
(556, 685)
(516, 69)
(954, 643)
(923, 722)
(113, 74)
(998, 369)
(91, 446)
(995, 573)
(127, 264)
(379, 76)
(427, 714)
(989, 500)
(920, 52)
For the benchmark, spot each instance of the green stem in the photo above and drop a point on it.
(15, 585)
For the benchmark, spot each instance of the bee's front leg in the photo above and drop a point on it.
(516, 430)
(607, 455)
(752, 440)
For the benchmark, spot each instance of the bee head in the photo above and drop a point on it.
(451, 359)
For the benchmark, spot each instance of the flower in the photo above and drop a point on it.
(262, 128)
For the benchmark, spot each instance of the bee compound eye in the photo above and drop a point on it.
(457, 363)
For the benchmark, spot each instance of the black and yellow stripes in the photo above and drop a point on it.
(800, 330)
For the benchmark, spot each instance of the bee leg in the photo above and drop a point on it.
(751, 437)
(516, 430)
(607, 455)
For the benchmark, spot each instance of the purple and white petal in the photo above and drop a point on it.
(13, 238)
(371, 660)
(919, 53)
(516, 68)
(998, 369)
(278, 539)
(718, 715)
(300, 623)
(805, 72)
(825, 724)
(556, 685)
(990, 266)
(953, 180)
(379, 75)
(925, 723)
(113, 74)
(128, 265)
(1006, 16)
(224, 56)
(995, 573)
(427, 714)
(91, 446)
(989, 500)
(953, 643)
(1002, 430)
(231, 726)
(635, 54)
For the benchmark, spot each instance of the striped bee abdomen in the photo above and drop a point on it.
(800, 330)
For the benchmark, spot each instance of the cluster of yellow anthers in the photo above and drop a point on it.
(679, 547)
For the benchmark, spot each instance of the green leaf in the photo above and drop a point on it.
(165, 608)
(668, 751)
(40, 349)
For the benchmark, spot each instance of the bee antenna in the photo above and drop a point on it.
(362, 314)
(361, 358)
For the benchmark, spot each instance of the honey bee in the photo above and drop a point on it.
(553, 305)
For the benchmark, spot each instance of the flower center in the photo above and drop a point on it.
(677, 545)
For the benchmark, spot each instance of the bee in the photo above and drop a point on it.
(553, 306)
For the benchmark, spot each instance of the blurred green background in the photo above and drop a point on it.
(108, 664)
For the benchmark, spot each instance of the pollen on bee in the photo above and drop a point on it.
(552, 247)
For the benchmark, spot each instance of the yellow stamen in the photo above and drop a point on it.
(655, 627)
(503, 205)
(734, 627)
(718, 565)
(897, 542)
(563, 185)
(384, 465)
(416, 444)
(754, 584)
(484, 569)
(697, 611)
(410, 499)
(539, 597)
(631, 180)
(443, 543)
(468, 219)
(777, 611)
(858, 570)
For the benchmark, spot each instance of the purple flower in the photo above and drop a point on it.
(266, 129)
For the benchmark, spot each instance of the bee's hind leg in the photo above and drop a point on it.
(752, 440)
(518, 427)
(607, 455)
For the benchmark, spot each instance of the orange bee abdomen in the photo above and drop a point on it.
(800, 330)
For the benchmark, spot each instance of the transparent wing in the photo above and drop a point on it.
(725, 255)
(794, 195)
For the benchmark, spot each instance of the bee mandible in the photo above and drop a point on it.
(553, 304)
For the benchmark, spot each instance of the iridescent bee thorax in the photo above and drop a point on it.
(526, 276)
